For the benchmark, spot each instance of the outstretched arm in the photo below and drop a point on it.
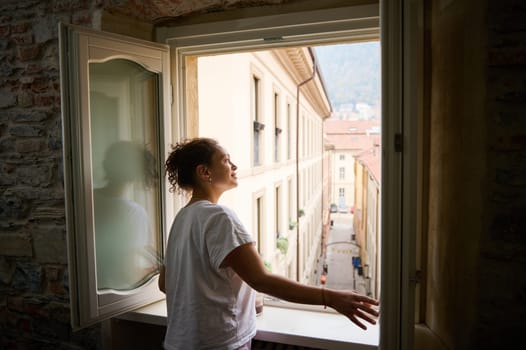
(247, 263)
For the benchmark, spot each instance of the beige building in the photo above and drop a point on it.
(348, 138)
(355, 186)
(366, 219)
(248, 102)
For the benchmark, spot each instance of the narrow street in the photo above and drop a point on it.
(341, 249)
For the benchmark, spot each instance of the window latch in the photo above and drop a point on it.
(416, 277)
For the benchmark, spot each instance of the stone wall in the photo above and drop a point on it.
(34, 299)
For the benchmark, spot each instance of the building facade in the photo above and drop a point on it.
(249, 102)
(355, 186)
(348, 138)
(366, 219)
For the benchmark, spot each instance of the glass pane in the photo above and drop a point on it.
(125, 167)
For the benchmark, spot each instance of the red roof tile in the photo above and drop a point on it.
(335, 126)
(353, 143)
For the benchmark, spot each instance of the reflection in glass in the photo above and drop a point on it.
(124, 142)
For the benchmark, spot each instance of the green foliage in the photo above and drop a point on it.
(282, 243)
(268, 265)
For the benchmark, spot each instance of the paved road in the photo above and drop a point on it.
(340, 250)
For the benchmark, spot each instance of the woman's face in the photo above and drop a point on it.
(222, 170)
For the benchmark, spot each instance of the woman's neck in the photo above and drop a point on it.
(200, 194)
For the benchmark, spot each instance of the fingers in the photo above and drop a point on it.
(357, 322)
(366, 299)
(363, 308)
(365, 317)
(357, 307)
(366, 304)
(367, 308)
(357, 313)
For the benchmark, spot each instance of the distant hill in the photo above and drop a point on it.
(351, 72)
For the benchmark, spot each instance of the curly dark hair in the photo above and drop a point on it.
(185, 157)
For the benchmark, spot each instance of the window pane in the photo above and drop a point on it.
(124, 144)
(321, 174)
(256, 148)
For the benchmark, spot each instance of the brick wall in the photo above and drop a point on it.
(34, 299)
(502, 288)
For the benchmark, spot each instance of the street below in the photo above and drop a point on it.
(341, 248)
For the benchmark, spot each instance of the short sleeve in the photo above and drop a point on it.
(224, 233)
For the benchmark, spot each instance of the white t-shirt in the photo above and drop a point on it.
(208, 307)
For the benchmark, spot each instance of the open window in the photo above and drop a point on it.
(140, 77)
(399, 119)
(114, 93)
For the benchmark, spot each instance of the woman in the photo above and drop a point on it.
(212, 267)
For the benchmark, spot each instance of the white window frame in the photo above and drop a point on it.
(256, 108)
(276, 122)
(289, 122)
(80, 46)
(259, 221)
(278, 212)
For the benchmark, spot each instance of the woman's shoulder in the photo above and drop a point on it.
(213, 211)
(214, 208)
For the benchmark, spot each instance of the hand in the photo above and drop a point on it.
(353, 305)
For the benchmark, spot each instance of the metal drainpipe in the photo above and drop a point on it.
(298, 166)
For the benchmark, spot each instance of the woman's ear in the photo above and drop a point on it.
(202, 172)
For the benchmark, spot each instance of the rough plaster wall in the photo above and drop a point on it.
(457, 161)
(158, 10)
(162, 12)
(457, 168)
(476, 284)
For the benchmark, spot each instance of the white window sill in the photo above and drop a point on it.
(317, 329)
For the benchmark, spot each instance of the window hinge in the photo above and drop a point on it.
(416, 277)
(398, 142)
(274, 38)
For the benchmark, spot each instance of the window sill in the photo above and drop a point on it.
(325, 330)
